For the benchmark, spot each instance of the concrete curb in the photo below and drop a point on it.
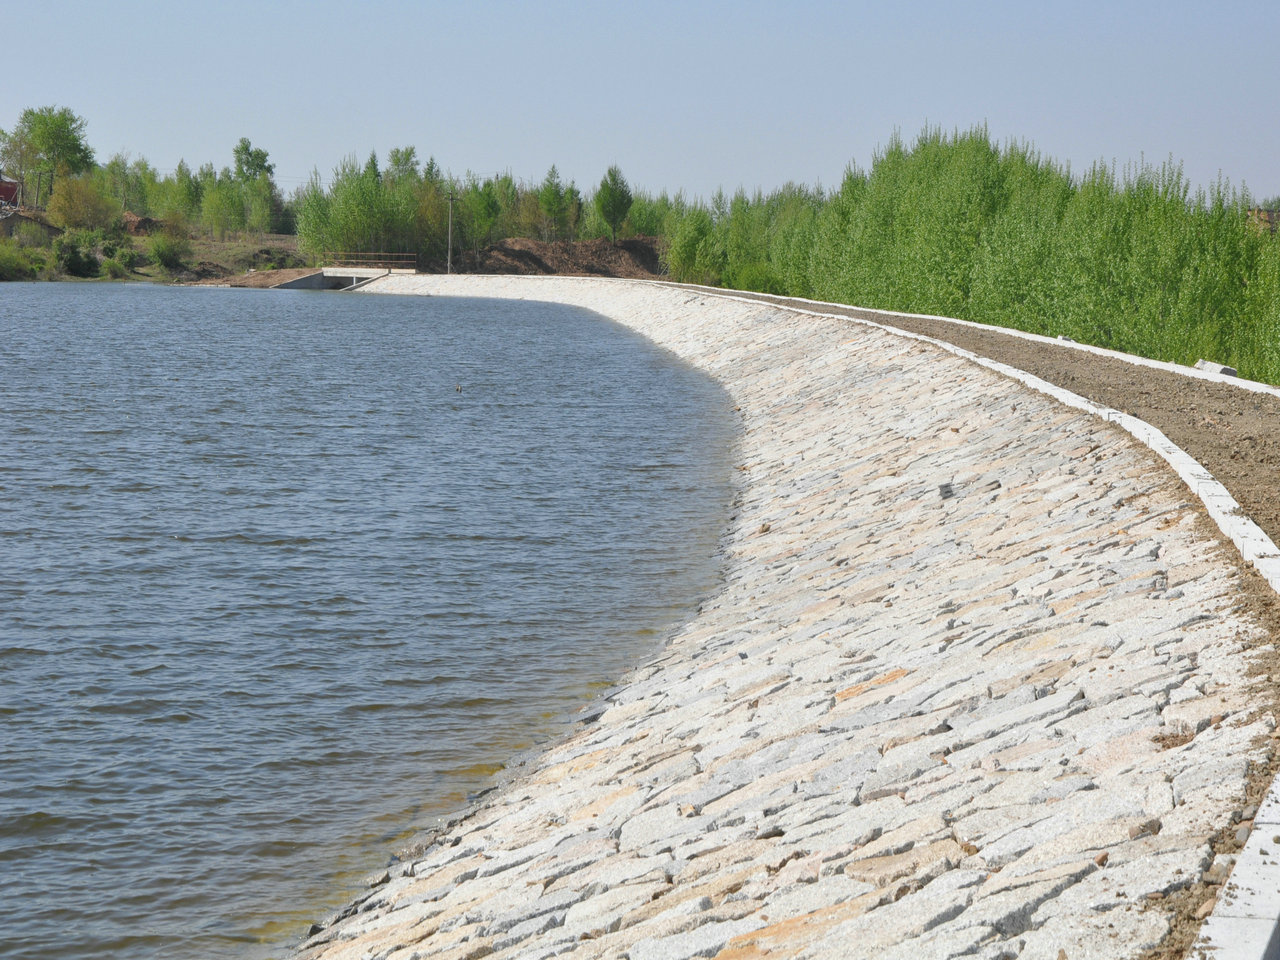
(1194, 373)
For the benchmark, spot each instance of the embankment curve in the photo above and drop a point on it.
(975, 684)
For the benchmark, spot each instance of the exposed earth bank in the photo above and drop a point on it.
(634, 258)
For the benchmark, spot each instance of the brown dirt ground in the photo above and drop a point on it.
(1233, 433)
(266, 278)
(211, 275)
(634, 258)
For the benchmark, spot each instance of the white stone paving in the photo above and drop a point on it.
(974, 685)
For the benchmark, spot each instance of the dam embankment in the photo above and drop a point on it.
(975, 683)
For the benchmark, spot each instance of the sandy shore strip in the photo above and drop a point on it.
(976, 684)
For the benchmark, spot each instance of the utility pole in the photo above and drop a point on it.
(448, 268)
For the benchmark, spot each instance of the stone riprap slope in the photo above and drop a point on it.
(973, 686)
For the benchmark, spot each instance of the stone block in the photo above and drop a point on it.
(704, 941)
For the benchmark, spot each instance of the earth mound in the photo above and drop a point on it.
(635, 258)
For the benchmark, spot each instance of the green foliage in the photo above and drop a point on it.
(48, 142)
(221, 206)
(78, 203)
(15, 263)
(29, 235)
(120, 248)
(114, 269)
(218, 204)
(572, 211)
(75, 253)
(648, 215)
(169, 251)
(404, 208)
(958, 226)
(554, 207)
(481, 208)
(261, 203)
(360, 212)
(250, 162)
(613, 200)
(130, 185)
(694, 253)
(402, 164)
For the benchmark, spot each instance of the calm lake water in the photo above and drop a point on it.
(285, 576)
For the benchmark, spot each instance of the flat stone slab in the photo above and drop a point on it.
(975, 683)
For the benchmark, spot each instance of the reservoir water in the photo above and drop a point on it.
(286, 576)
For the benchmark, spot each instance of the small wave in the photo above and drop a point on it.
(128, 708)
(182, 716)
(354, 709)
(143, 671)
(23, 652)
(37, 824)
(255, 539)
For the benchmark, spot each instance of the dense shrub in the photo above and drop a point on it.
(75, 253)
(14, 263)
(169, 251)
(958, 226)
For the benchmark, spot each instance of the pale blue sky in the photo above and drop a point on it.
(681, 95)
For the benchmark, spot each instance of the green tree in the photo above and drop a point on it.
(133, 185)
(551, 201)
(402, 164)
(481, 208)
(689, 253)
(261, 203)
(613, 200)
(186, 196)
(18, 156)
(48, 141)
(250, 161)
(75, 253)
(221, 206)
(78, 203)
(572, 211)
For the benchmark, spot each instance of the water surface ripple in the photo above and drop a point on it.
(283, 576)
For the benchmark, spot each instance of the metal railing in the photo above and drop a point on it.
(388, 261)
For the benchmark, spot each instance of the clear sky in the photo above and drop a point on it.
(682, 95)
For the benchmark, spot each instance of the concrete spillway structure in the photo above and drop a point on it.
(341, 278)
(976, 683)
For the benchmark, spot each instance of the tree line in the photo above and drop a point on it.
(956, 225)
(408, 206)
(403, 206)
(949, 224)
(48, 154)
